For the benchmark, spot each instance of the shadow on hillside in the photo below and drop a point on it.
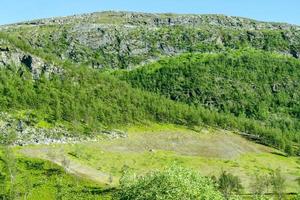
(279, 153)
(99, 191)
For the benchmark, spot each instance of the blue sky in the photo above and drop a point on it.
(266, 10)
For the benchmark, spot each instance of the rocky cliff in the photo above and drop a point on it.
(16, 58)
(125, 39)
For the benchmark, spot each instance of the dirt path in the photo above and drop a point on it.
(69, 165)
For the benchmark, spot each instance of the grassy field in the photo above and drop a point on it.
(208, 150)
(35, 179)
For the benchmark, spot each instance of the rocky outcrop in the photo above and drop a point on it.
(115, 134)
(24, 133)
(128, 39)
(18, 59)
(128, 46)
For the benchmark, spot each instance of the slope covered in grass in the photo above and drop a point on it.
(35, 179)
(154, 147)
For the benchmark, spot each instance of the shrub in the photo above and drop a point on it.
(278, 183)
(297, 197)
(169, 184)
(229, 184)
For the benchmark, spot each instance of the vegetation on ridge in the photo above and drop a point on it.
(228, 73)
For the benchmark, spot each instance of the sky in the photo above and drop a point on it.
(266, 10)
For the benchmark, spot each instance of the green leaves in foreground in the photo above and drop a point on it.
(172, 183)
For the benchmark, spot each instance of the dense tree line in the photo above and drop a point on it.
(88, 100)
(249, 91)
(246, 83)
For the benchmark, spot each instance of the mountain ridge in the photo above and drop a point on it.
(144, 14)
(126, 39)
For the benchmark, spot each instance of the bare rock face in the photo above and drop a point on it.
(38, 67)
(17, 58)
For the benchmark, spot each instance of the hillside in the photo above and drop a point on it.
(247, 83)
(154, 147)
(97, 93)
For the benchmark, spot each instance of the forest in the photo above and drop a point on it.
(246, 83)
(191, 90)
